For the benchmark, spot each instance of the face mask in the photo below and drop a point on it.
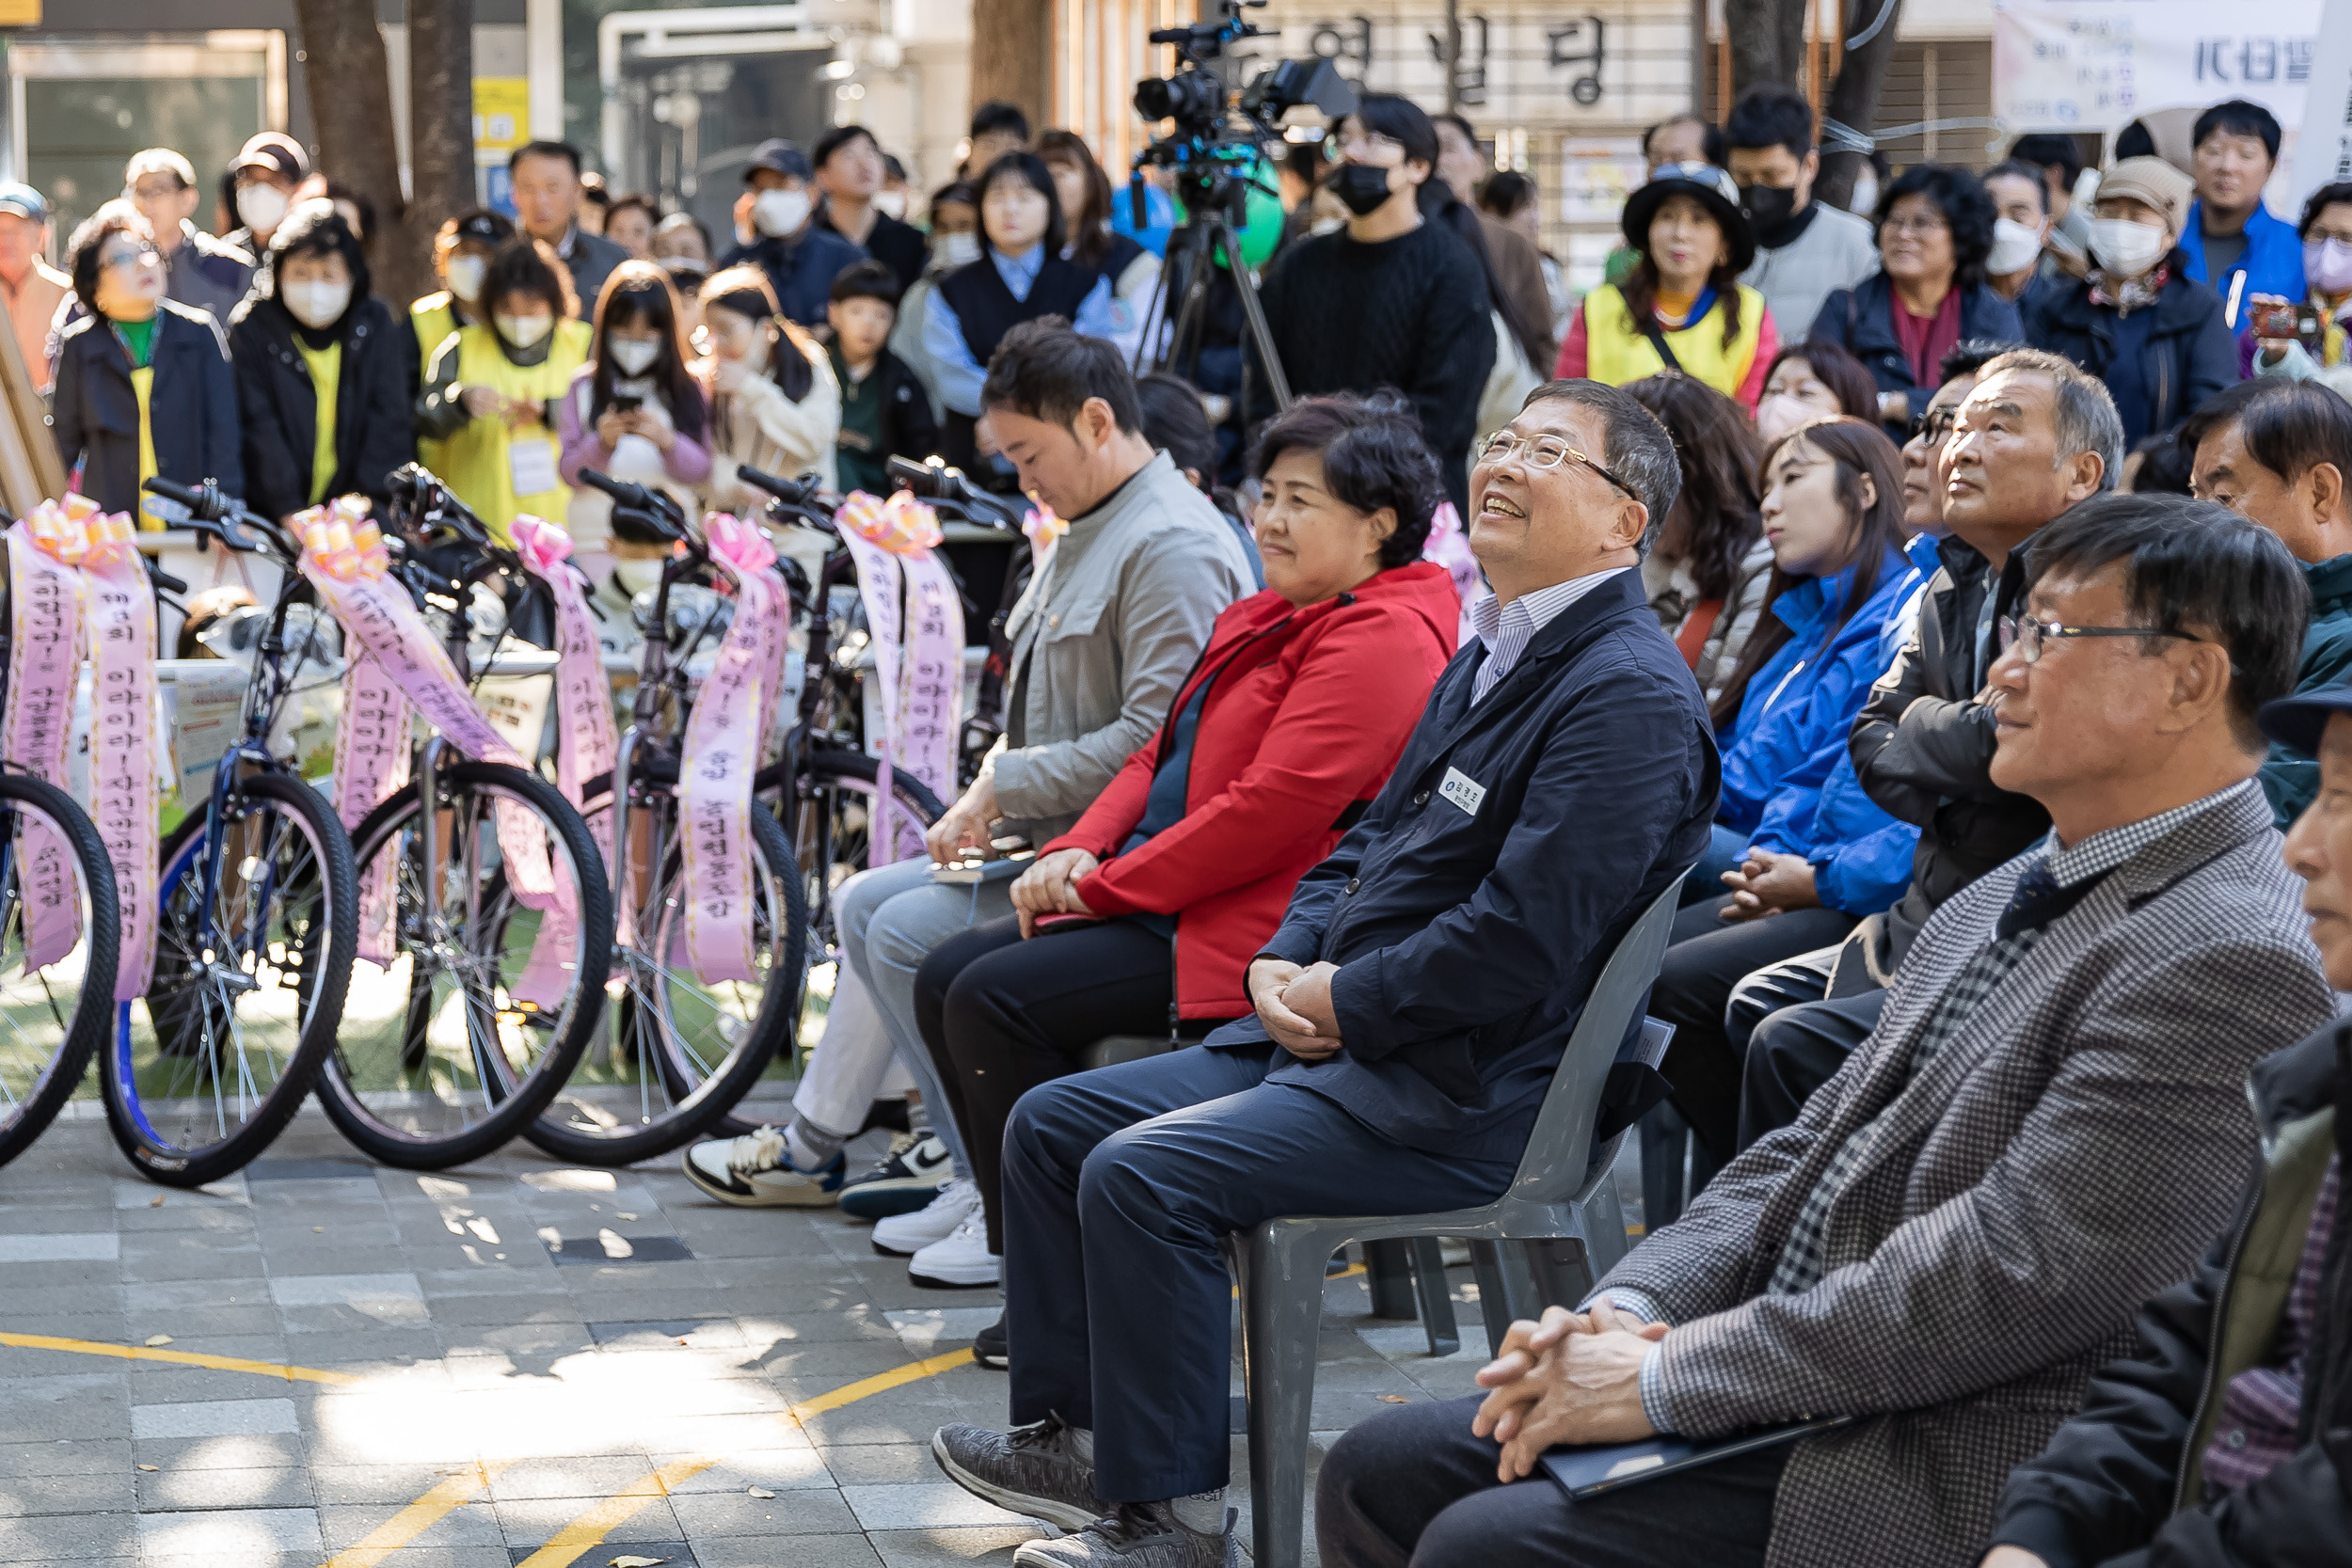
(260, 206)
(1769, 209)
(2124, 248)
(633, 355)
(2329, 265)
(465, 274)
(1361, 186)
(891, 204)
(524, 331)
(2015, 248)
(959, 251)
(780, 213)
(316, 305)
(1779, 413)
(1326, 226)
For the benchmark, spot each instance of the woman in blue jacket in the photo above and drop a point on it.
(1803, 854)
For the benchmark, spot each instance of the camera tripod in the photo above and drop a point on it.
(1185, 276)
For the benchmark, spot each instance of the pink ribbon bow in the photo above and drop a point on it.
(901, 524)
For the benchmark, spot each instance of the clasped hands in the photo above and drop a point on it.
(1769, 881)
(488, 402)
(1295, 1004)
(1571, 1378)
(1050, 886)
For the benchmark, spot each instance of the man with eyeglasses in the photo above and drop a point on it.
(1410, 1010)
(199, 271)
(1960, 1226)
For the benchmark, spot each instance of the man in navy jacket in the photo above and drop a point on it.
(1411, 1008)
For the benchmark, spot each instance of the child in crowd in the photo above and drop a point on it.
(884, 412)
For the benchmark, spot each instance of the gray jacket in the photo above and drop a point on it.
(1102, 639)
(1836, 252)
(2067, 1153)
(206, 273)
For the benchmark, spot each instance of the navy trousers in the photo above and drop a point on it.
(1119, 1188)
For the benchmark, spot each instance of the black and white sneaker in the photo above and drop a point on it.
(1033, 1469)
(988, 1346)
(907, 1180)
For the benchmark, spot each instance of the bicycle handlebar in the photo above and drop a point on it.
(792, 492)
(653, 508)
(223, 516)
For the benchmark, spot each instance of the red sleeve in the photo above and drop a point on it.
(1571, 365)
(1340, 726)
(1766, 346)
(1105, 824)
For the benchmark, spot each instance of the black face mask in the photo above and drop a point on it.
(1769, 210)
(1362, 187)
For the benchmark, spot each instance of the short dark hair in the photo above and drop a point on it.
(1968, 357)
(529, 266)
(867, 278)
(1960, 195)
(1711, 135)
(563, 149)
(2289, 427)
(1031, 169)
(2135, 141)
(1174, 422)
(2319, 201)
(2048, 150)
(2083, 412)
(111, 218)
(835, 140)
(997, 114)
(639, 200)
(2239, 118)
(2190, 565)
(1042, 369)
(1506, 191)
(1770, 115)
(1373, 456)
(313, 228)
(2017, 168)
(2164, 465)
(1460, 123)
(1634, 445)
(1836, 369)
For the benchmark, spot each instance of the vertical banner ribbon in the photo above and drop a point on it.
(914, 617)
(44, 665)
(120, 625)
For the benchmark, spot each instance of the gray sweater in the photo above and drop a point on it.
(1836, 252)
(1103, 637)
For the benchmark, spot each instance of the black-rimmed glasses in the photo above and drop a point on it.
(2025, 635)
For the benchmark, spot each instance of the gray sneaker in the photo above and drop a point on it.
(1031, 1469)
(1135, 1535)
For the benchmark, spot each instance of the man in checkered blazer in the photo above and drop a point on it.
(2047, 1125)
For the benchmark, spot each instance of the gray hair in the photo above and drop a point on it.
(1634, 445)
(2086, 419)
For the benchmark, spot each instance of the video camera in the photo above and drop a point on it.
(1196, 96)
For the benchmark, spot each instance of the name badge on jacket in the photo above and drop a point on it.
(1460, 789)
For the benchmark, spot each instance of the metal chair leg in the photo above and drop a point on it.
(1437, 1304)
(1282, 1318)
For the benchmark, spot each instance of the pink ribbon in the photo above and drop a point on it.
(583, 696)
(378, 616)
(45, 663)
(1448, 547)
(123, 793)
(724, 740)
(915, 617)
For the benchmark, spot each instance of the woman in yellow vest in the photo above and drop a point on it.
(144, 387)
(1682, 307)
(492, 389)
(461, 258)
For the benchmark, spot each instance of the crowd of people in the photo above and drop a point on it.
(1950, 608)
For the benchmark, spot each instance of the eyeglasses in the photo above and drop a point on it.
(141, 257)
(1922, 224)
(1935, 425)
(1364, 141)
(2025, 635)
(1544, 452)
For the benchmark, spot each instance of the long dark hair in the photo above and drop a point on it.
(1640, 291)
(1858, 448)
(1090, 230)
(1026, 166)
(1719, 452)
(745, 291)
(640, 292)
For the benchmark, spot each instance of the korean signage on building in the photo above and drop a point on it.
(2097, 65)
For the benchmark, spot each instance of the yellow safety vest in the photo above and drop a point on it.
(1615, 354)
(480, 463)
(326, 372)
(432, 319)
(143, 389)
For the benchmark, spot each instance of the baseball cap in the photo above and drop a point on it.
(23, 200)
(274, 152)
(2301, 720)
(779, 156)
(489, 228)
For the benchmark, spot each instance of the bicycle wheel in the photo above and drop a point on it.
(470, 1022)
(679, 1052)
(57, 982)
(252, 963)
(831, 810)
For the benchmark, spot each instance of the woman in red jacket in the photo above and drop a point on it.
(1143, 917)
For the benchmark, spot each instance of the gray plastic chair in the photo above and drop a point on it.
(1561, 1193)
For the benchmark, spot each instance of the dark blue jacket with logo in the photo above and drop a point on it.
(1467, 939)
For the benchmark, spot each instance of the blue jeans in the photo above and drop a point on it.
(1725, 848)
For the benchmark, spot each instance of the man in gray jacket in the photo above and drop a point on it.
(1107, 632)
(1804, 250)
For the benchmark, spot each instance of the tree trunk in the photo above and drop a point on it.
(1767, 41)
(1854, 98)
(1012, 54)
(440, 129)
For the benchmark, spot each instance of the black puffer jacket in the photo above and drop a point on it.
(2120, 1482)
(374, 424)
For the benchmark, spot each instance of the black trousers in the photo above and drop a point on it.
(1794, 1052)
(1413, 1485)
(1709, 958)
(1001, 1016)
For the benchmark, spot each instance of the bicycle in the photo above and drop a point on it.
(257, 918)
(481, 998)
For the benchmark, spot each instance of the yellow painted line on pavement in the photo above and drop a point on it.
(418, 1518)
(178, 1357)
(865, 1388)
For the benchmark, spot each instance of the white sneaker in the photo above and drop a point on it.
(961, 1261)
(905, 1235)
(754, 1172)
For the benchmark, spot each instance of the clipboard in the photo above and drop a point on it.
(1588, 1472)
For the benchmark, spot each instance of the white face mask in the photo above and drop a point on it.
(2015, 248)
(2124, 248)
(316, 305)
(1326, 226)
(891, 204)
(959, 251)
(465, 274)
(260, 206)
(780, 213)
(524, 331)
(1779, 413)
(633, 355)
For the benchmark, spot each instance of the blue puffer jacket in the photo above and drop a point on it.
(1793, 721)
(1861, 856)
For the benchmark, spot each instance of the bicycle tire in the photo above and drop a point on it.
(694, 1103)
(321, 984)
(515, 1099)
(29, 1114)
